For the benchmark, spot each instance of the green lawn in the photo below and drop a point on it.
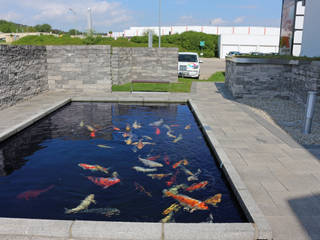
(183, 85)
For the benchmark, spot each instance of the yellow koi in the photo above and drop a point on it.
(187, 127)
(91, 129)
(167, 218)
(159, 176)
(128, 128)
(214, 200)
(103, 146)
(128, 141)
(178, 138)
(83, 205)
(174, 207)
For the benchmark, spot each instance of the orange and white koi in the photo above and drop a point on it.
(178, 138)
(173, 179)
(149, 163)
(157, 123)
(136, 125)
(91, 129)
(183, 161)
(93, 167)
(173, 208)
(141, 189)
(159, 176)
(197, 186)
(153, 158)
(126, 135)
(158, 131)
(188, 127)
(128, 128)
(104, 182)
(187, 202)
(139, 144)
(33, 193)
(214, 200)
(116, 129)
(195, 176)
(128, 141)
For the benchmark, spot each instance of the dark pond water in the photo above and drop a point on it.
(43, 171)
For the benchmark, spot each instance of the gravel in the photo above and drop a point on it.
(288, 115)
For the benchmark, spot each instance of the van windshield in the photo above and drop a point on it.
(187, 58)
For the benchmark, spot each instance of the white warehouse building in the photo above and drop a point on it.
(242, 39)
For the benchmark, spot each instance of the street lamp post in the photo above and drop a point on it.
(159, 23)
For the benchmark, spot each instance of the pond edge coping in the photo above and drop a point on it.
(258, 228)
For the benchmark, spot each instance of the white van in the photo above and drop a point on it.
(189, 65)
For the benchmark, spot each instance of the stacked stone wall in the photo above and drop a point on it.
(23, 73)
(289, 80)
(79, 68)
(144, 64)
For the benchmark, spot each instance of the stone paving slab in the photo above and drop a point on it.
(281, 176)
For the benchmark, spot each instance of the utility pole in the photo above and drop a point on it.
(159, 23)
(89, 22)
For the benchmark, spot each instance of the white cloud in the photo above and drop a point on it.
(239, 20)
(218, 21)
(10, 16)
(106, 14)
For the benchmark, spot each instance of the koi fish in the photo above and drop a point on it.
(139, 144)
(93, 134)
(173, 179)
(136, 125)
(93, 167)
(104, 182)
(159, 176)
(126, 135)
(166, 159)
(153, 158)
(148, 143)
(183, 161)
(115, 175)
(81, 124)
(141, 169)
(91, 129)
(187, 127)
(175, 125)
(103, 146)
(157, 123)
(128, 141)
(141, 189)
(175, 189)
(185, 170)
(33, 193)
(116, 129)
(104, 211)
(83, 205)
(167, 127)
(128, 128)
(167, 218)
(170, 135)
(195, 176)
(178, 138)
(147, 137)
(173, 208)
(149, 163)
(158, 131)
(197, 186)
(188, 202)
(214, 200)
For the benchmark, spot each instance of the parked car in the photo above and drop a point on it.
(256, 54)
(189, 65)
(233, 53)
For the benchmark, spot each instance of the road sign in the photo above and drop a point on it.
(202, 43)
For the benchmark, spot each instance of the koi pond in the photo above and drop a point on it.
(115, 162)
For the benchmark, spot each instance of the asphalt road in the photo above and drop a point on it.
(210, 66)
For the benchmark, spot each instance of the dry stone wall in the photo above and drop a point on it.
(23, 73)
(292, 79)
(144, 64)
(79, 68)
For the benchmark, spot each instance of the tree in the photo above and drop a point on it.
(73, 32)
(43, 28)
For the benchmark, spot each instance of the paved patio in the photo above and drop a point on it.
(282, 176)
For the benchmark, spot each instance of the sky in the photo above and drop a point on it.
(117, 15)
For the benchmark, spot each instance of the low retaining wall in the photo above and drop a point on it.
(23, 73)
(145, 64)
(28, 70)
(79, 68)
(249, 77)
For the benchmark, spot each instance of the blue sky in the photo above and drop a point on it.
(117, 15)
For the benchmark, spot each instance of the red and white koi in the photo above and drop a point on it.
(183, 161)
(197, 186)
(104, 182)
(33, 193)
(93, 167)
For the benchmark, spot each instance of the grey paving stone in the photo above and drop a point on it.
(116, 230)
